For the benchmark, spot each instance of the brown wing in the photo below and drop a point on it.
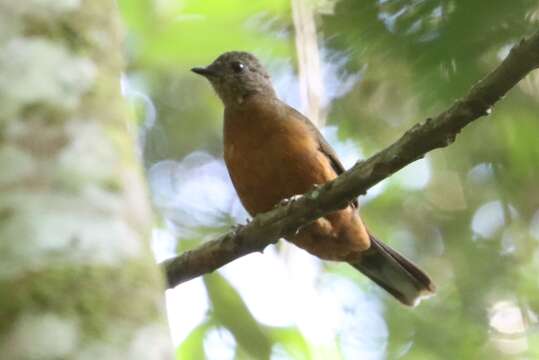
(323, 145)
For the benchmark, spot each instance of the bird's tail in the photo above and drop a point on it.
(397, 275)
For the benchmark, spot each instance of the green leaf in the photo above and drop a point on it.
(230, 310)
(193, 346)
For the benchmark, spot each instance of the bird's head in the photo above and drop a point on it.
(236, 75)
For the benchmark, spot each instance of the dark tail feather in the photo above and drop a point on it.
(397, 275)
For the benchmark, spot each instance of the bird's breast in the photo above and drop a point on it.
(271, 159)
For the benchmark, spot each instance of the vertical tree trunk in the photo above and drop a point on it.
(309, 66)
(77, 279)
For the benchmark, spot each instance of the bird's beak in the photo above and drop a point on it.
(206, 72)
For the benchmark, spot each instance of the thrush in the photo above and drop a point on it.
(273, 152)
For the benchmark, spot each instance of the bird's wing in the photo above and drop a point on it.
(323, 145)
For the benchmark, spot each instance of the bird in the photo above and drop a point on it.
(272, 153)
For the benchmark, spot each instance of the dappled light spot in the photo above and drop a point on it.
(362, 330)
(506, 318)
(285, 81)
(278, 352)
(287, 289)
(491, 217)
(375, 191)
(415, 176)
(347, 150)
(195, 192)
(219, 344)
(337, 80)
(480, 173)
(267, 287)
(321, 317)
(163, 244)
(187, 306)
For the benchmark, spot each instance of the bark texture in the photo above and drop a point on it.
(77, 278)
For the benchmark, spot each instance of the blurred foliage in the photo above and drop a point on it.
(473, 224)
(253, 338)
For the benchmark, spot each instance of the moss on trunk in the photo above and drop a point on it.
(77, 277)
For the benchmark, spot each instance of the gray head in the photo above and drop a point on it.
(236, 75)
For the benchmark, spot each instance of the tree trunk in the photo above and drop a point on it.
(77, 278)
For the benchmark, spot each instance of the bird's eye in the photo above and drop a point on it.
(237, 66)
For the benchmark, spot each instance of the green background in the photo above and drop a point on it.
(469, 214)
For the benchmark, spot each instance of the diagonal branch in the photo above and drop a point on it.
(437, 132)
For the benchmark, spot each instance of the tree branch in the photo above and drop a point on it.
(431, 134)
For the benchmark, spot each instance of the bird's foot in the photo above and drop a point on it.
(288, 201)
(236, 228)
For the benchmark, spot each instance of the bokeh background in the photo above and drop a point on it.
(366, 71)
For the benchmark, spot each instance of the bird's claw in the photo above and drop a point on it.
(288, 201)
(236, 228)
